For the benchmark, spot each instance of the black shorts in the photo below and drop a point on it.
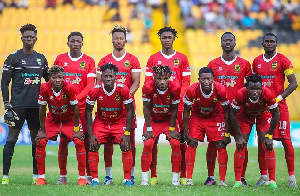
(31, 115)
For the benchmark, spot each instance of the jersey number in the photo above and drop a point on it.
(282, 124)
(221, 126)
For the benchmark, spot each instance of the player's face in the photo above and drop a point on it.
(167, 39)
(254, 90)
(75, 44)
(228, 43)
(119, 40)
(108, 77)
(162, 81)
(28, 38)
(269, 44)
(57, 80)
(206, 80)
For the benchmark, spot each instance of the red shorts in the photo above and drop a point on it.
(213, 127)
(282, 130)
(262, 122)
(161, 127)
(180, 120)
(109, 132)
(54, 128)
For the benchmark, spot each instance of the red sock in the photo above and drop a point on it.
(154, 161)
(289, 155)
(245, 162)
(81, 156)
(239, 158)
(261, 159)
(133, 149)
(127, 164)
(183, 166)
(176, 155)
(108, 152)
(41, 155)
(87, 148)
(211, 155)
(271, 163)
(93, 163)
(63, 155)
(190, 157)
(222, 160)
(147, 155)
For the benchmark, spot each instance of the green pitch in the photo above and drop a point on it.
(21, 174)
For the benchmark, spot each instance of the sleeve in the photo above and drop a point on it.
(270, 99)
(223, 95)
(101, 62)
(91, 69)
(136, 67)
(7, 74)
(146, 93)
(45, 69)
(237, 101)
(72, 95)
(149, 72)
(248, 69)
(188, 98)
(92, 95)
(254, 66)
(176, 95)
(186, 76)
(186, 70)
(127, 98)
(287, 66)
(42, 95)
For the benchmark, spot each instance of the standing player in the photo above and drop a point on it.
(111, 121)
(129, 75)
(251, 104)
(210, 116)
(229, 70)
(63, 117)
(181, 75)
(161, 99)
(79, 71)
(25, 68)
(273, 67)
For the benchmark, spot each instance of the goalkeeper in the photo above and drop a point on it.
(24, 68)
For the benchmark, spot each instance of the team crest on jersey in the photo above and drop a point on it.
(127, 63)
(82, 64)
(176, 61)
(261, 103)
(168, 97)
(214, 100)
(64, 96)
(117, 97)
(39, 61)
(237, 68)
(274, 65)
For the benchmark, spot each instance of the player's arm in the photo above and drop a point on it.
(46, 70)
(268, 140)
(226, 138)
(76, 115)
(125, 139)
(7, 74)
(85, 91)
(291, 87)
(172, 133)
(93, 141)
(240, 141)
(146, 109)
(42, 117)
(136, 76)
(186, 118)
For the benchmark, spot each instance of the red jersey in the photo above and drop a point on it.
(127, 64)
(161, 101)
(231, 73)
(77, 70)
(204, 105)
(110, 106)
(59, 104)
(254, 108)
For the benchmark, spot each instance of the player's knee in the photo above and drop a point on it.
(175, 143)
(9, 145)
(78, 143)
(148, 144)
(42, 143)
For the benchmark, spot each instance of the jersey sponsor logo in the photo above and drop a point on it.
(82, 64)
(231, 83)
(114, 115)
(237, 68)
(168, 97)
(29, 81)
(176, 62)
(215, 100)
(72, 74)
(30, 75)
(122, 74)
(127, 63)
(274, 65)
(110, 109)
(39, 61)
(117, 98)
(228, 77)
(267, 83)
(164, 111)
(122, 79)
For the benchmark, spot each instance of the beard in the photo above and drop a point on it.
(270, 51)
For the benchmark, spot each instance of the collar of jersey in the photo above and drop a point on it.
(119, 59)
(168, 56)
(107, 93)
(253, 101)
(162, 92)
(268, 60)
(75, 59)
(205, 95)
(56, 94)
(228, 62)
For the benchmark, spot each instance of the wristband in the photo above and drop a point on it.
(279, 98)
(149, 128)
(126, 132)
(269, 136)
(76, 129)
(172, 128)
(227, 134)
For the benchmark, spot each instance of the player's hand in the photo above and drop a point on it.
(10, 116)
(40, 135)
(94, 144)
(174, 135)
(240, 143)
(268, 143)
(78, 135)
(226, 140)
(191, 141)
(147, 135)
(125, 143)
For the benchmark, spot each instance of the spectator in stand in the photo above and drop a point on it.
(154, 3)
(2, 6)
(267, 22)
(51, 3)
(65, 2)
(13, 4)
(23, 3)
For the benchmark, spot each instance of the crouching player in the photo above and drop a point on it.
(209, 104)
(161, 99)
(250, 107)
(63, 117)
(111, 121)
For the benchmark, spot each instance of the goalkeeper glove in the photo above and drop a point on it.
(10, 116)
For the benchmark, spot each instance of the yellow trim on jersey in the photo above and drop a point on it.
(288, 72)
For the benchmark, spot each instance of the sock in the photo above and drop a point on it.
(133, 150)
(87, 148)
(108, 171)
(183, 166)
(132, 170)
(147, 155)
(108, 152)
(292, 178)
(289, 155)
(222, 160)
(83, 177)
(190, 157)
(211, 155)
(93, 164)
(34, 164)
(5, 176)
(41, 156)
(81, 156)
(8, 152)
(271, 163)
(175, 176)
(245, 163)
(261, 159)
(127, 164)
(145, 176)
(35, 175)
(96, 179)
(176, 155)
(63, 176)
(42, 176)
(63, 155)
(239, 158)
(154, 161)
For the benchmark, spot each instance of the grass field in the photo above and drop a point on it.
(21, 174)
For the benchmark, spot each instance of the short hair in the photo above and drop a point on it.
(167, 29)
(118, 28)
(162, 69)
(253, 78)
(28, 27)
(109, 66)
(269, 34)
(75, 33)
(55, 69)
(227, 33)
(206, 70)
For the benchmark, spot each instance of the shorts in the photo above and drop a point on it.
(282, 130)
(213, 128)
(180, 120)
(31, 115)
(54, 128)
(262, 122)
(82, 118)
(109, 132)
(161, 127)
